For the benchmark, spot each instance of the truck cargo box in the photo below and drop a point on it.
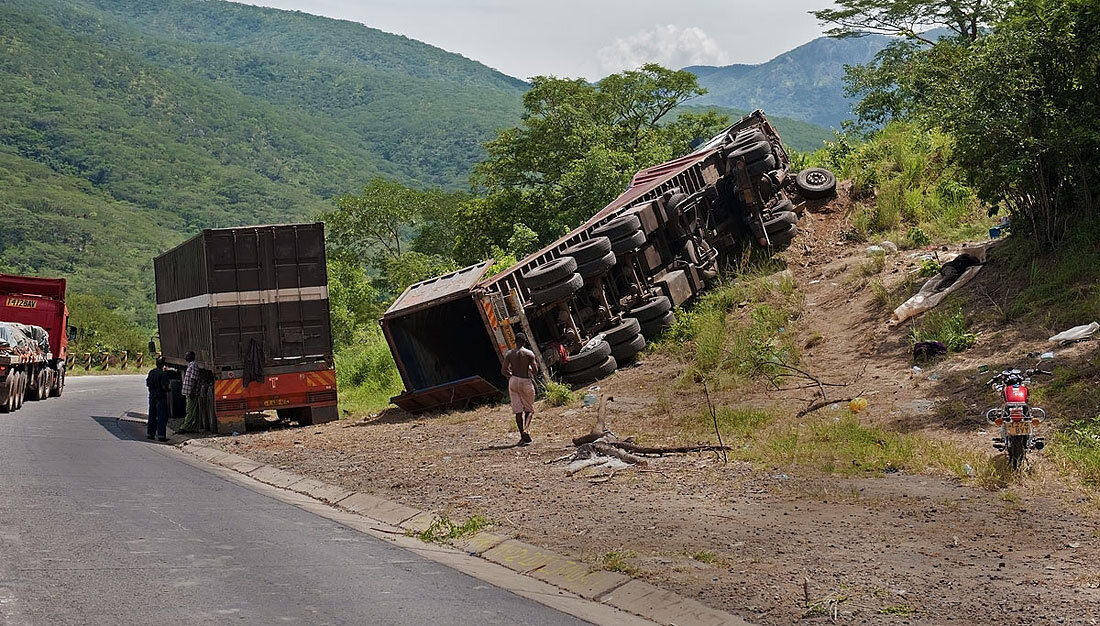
(225, 290)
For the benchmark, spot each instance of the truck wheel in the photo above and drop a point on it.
(782, 203)
(751, 152)
(20, 389)
(550, 273)
(747, 136)
(622, 332)
(633, 241)
(674, 202)
(586, 358)
(592, 374)
(783, 237)
(625, 351)
(8, 405)
(588, 251)
(559, 291)
(657, 326)
(762, 166)
(59, 384)
(599, 266)
(652, 309)
(619, 227)
(815, 182)
(779, 222)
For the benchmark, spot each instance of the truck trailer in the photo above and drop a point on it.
(34, 339)
(590, 301)
(252, 304)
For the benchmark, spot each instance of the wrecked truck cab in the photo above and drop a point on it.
(590, 300)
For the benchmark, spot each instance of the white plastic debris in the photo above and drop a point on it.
(889, 246)
(1077, 333)
(873, 250)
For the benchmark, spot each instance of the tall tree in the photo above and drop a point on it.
(911, 19)
(576, 149)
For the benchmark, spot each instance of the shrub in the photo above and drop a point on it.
(948, 327)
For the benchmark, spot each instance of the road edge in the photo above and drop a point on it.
(611, 590)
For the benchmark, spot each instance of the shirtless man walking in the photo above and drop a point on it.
(520, 368)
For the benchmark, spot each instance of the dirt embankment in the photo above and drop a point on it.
(897, 539)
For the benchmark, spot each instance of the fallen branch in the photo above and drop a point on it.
(612, 449)
(822, 404)
(636, 449)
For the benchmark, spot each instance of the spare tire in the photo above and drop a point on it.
(588, 250)
(599, 266)
(592, 374)
(816, 182)
(652, 309)
(550, 273)
(619, 227)
(558, 291)
(655, 327)
(627, 350)
(632, 241)
(623, 331)
(586, 358)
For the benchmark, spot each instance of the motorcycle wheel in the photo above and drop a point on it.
(1017, 447)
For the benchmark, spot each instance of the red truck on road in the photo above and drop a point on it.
(32, 367)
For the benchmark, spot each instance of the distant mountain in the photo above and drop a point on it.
(126, 125)
(805, 83)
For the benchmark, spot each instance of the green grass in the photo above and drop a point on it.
(709, 558)
(558, 394)
(444, 530)
(366, 375)
(947, 325)
(619, 561)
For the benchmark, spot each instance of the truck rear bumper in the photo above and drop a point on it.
(280, 391)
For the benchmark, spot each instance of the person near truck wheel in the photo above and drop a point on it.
(157, 382)
(521, 368)
(190, 391)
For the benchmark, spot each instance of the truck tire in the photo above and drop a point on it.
(675, 201)
(550, 273)
(619, 227)
(8, 405)
(589, 250)
(59, 384)
(559, 291)
(652, 309)
(21, 389)
(815, 182)
(782, 203)
(628, 243)
(586, 358)
(623, 331)
(750, 152)
(592, 374)
(655, 327)
(779, 222)
(599, 266)
(783, 237)
(625, 351)
(762, 166)
(747, 136)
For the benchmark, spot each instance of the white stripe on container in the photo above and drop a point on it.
(244, 298)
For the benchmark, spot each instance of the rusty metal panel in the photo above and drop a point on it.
(456, 394)
(438, 289)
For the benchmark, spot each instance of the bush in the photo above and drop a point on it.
(557, 394)
(366, 375)
(948, 327)
(101, 327)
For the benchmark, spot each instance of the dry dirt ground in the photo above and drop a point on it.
(773, 544)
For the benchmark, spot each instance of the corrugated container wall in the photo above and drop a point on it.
(224, 289)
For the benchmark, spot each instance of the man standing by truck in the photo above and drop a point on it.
(157, 382)
(190, 391)
(521, 368)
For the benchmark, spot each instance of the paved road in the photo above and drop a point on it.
(99, 526)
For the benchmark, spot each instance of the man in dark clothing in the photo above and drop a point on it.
(157, 382)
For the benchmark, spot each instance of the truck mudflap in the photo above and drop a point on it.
(453, 395)
(278, 391)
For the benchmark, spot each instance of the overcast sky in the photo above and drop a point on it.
(589, 38)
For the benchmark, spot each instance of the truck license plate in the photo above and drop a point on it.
(276, 402)
(1018, 428)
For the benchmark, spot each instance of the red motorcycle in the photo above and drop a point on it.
(1017, 419)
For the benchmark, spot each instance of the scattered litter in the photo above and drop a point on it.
(1074, 545)
(1077, 333)
(916, 371)
(889, 246)
(590, 399)
(874, 250)
(969, 470)
(1047, 356)
(855, 405)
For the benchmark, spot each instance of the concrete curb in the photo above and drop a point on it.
(610, 588)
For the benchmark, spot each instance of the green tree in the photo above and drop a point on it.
(910, 19)
(575, 151)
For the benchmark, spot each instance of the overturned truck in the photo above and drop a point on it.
(590, 300)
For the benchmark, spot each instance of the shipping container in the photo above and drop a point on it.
(252, 304)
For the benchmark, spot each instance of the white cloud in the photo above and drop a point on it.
(670, 45)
